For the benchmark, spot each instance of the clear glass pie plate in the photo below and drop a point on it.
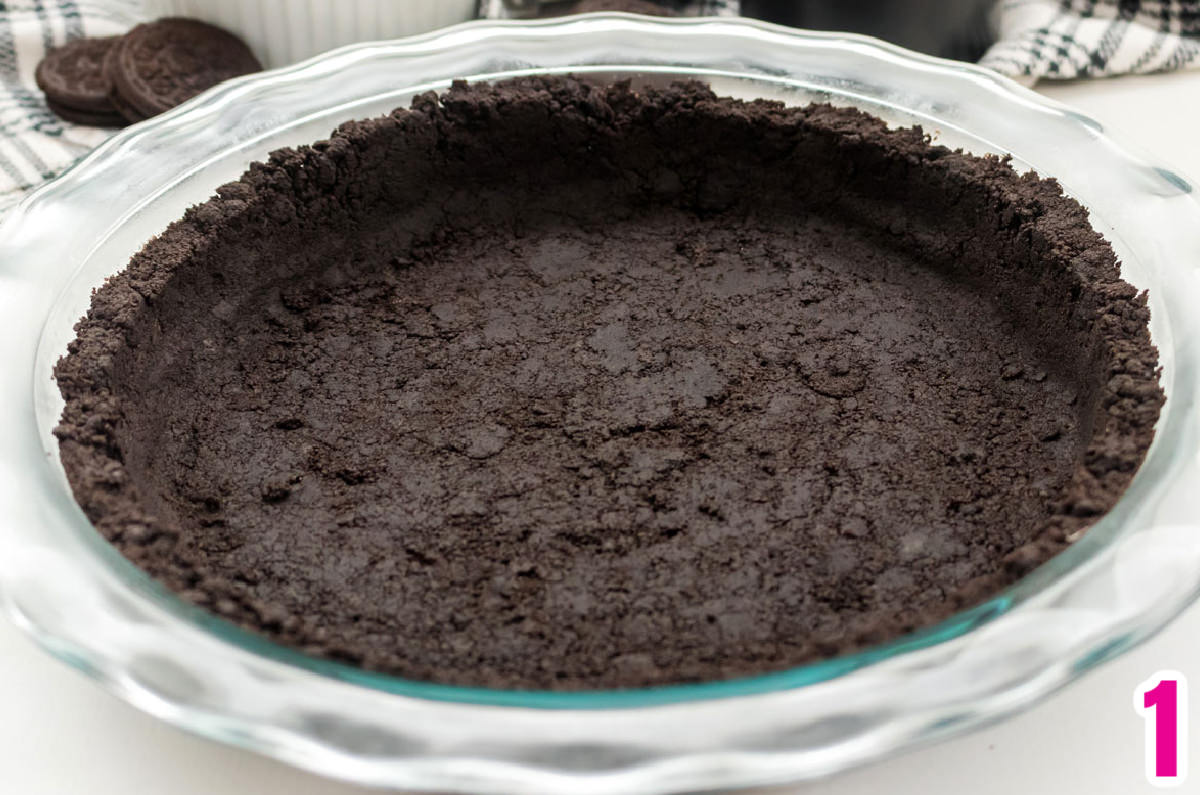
(1129, 575)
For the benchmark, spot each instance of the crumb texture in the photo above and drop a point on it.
(555, 385)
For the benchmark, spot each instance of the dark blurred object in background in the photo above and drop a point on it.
(587, 6)
(950, 28)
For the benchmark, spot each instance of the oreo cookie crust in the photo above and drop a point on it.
(550, 385)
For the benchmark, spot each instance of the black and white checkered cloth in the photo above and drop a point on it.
(1036, 39)
(1094, 38)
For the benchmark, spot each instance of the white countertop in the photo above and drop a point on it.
(60, 735)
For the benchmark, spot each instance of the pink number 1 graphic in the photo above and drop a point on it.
(1162, 702)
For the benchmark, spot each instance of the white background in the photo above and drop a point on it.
(60, 735)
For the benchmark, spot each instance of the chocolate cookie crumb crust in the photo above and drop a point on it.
(551, 385)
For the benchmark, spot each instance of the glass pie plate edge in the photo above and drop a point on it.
(79, 599)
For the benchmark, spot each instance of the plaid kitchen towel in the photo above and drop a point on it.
(1094, 38)
(1037, 38)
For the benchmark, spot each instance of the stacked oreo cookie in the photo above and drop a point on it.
(117, 80)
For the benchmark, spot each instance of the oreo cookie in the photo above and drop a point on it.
(72, 76)
(76, 86)
(112, 81)
(89, 118)
(117, 102)
(158, 65)
(131, 114)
